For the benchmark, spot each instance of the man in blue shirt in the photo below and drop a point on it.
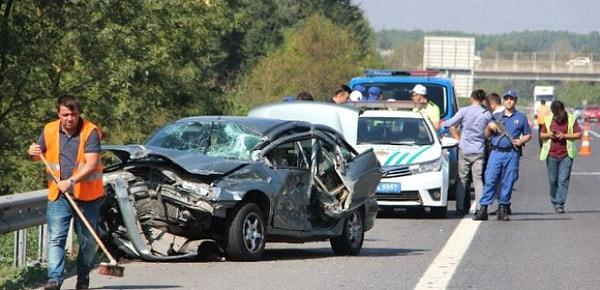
(473, 121)
(503, 165)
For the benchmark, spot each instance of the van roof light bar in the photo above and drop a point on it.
(387, 72)
(382, 105)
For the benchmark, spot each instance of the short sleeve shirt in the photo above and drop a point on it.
(68, 149)
(516, 125)
(432, 111)
(558, 148)
(473, 120)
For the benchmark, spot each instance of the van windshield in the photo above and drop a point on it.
(394, 131)
(401, 92)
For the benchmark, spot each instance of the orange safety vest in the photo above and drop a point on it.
(89, 187)
(542, 113)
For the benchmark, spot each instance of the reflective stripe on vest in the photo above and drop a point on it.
(571, 148)
(88, 188)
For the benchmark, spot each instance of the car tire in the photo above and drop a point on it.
(353, 234)
(246, 235)
(438, 212)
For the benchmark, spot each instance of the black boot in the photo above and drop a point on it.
(482, 214)
(503, 213)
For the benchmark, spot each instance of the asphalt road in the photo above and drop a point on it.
(537, 249)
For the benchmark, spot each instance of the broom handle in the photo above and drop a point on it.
(80, 214)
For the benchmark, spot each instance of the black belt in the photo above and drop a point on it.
(501, 149)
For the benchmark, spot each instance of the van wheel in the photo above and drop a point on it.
(246, 235)
(353, 234)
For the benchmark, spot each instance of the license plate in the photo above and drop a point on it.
(388, 187)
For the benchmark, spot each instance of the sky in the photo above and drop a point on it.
(483, 16)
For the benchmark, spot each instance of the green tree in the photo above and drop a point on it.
(316, 57)
(407, 54)
(133, 64)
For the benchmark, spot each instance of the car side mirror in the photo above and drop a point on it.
(448, 142)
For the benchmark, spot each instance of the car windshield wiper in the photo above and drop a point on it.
(373, 142)
(403, 142)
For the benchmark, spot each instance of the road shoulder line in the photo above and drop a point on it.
(441, 270)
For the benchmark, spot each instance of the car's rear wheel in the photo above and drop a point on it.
(246, 235)
(353, 234)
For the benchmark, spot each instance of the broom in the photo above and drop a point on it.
(111, 268)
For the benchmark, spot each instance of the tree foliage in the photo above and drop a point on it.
(316, 57)
(133, 64)
(136, 65)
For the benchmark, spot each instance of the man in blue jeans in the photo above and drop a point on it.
(558, 134)
(71, 146)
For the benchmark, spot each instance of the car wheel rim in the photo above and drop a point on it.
(354, 228)
(253, 232)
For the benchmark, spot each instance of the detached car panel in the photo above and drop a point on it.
(236, 183)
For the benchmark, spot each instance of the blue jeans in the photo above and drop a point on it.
(502, 171)
(559, 175)
(58, 217)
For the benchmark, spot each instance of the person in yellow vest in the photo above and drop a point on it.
(71, 145)
(423, 105)
(559, 132)
(540, 116)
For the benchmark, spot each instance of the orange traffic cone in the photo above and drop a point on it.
(585, 149)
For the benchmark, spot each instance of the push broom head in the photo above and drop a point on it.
(111, 269)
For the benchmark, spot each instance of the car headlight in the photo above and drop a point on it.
(429, 166)
(202, 189)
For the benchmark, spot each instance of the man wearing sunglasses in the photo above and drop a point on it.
(509, 132)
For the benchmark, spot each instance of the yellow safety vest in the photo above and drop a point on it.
(571, 148)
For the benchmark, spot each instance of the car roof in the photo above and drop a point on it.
(339, 117)
(391, 113)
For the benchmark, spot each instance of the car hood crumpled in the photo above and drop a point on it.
(190, 161)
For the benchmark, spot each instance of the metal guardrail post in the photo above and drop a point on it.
(20, 249)
(42, 243)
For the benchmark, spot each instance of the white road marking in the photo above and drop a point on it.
(594, 133)
(585, 173)
(444, 265)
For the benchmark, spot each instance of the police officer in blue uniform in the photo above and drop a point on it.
(509, 131)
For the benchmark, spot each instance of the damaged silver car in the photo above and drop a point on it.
(236, 183)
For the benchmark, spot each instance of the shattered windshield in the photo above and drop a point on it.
(395, 131)
(224, 139)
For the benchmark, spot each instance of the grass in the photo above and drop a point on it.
(34, 274)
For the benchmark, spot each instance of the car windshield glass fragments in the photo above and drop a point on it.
(395, 131)
(218, 139)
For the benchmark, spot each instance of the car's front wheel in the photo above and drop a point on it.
(246, 235)
(353, 234)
